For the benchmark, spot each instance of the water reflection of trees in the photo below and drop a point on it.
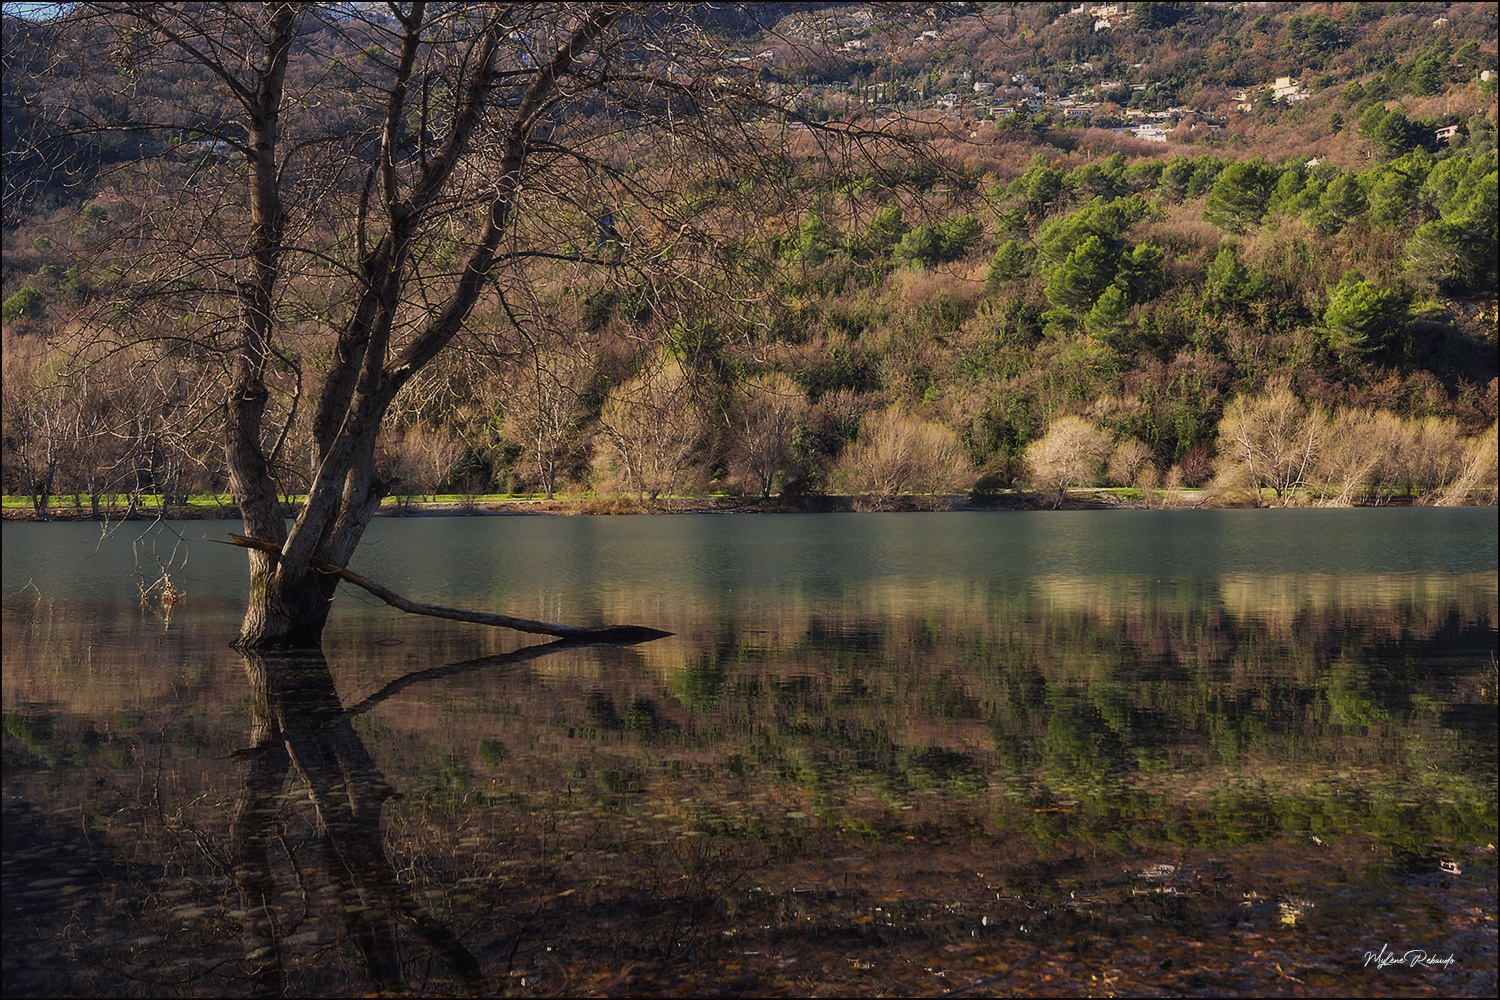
(297, 721)
(1125, 713)
(1123, 694)
(300, 838)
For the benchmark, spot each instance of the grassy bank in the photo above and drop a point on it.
(210, 507)
(20, 508)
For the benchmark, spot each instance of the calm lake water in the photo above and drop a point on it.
(1181, 753)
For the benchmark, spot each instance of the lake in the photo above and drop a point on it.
(1016, 753)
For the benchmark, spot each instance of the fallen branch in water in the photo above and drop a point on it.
(603, 633)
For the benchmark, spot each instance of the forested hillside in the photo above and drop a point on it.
(1109, 247)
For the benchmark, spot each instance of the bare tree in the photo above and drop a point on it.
(900, 452)
(1436, 458)
(1389, 440)
(97, 411)
(1071, 453)
(315, 202)
(34, 428)
(1346, 464)
(1475, 480)
(544, 409)
(1130, 462)
(427, 454)
(653, 433)
(1269, 442)
(765, 415)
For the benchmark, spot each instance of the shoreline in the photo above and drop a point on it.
(605, 506)
(1086, 499)
(597, 506)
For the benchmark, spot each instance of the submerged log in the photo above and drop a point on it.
(596, 633)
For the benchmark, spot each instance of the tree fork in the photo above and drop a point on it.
(601, 633)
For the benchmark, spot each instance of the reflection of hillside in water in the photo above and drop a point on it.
(1310, 727)
(1177, 688)
(1137, 606)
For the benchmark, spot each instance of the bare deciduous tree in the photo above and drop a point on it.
(1388, 439)
(33, 428)
(1435, 457)
(1347, 463)
(544, 409)
(766, 413)
(900, 452)
(428, 455)
(652, 434)
(1130, 459)
(1269, 442)
(312, 201)
(1071, 453)
(1475, 479)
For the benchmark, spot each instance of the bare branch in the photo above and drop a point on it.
(598, 633)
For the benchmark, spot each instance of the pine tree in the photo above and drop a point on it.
(1081, 278)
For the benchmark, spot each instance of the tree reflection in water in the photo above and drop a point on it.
(1071, 785)
(298, 721)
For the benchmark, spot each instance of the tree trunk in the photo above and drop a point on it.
(282, 613)
(289, 600)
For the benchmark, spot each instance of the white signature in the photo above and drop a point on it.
(1414, 958)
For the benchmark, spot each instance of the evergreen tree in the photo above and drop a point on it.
(1141, 275)
(812, 245)
(1358, 314)
(1437, 255)
(885, 231)
(1369, 122)
(1230, 285)
(958, 236)
(1240, 195)
(1107, 317)
(1012, 260)
(1393, 193)
(1080, 279)
(1287, 197)
(1397, 135)
(1205, 173)
(1038, 187)
(1177, 176)
(1343, 199)
(1152, 16)
(922, 245)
